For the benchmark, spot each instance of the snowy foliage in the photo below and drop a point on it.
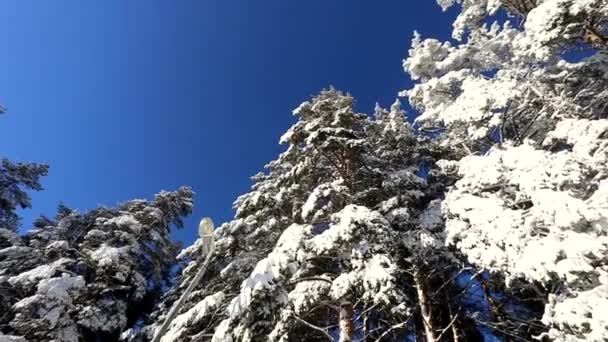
(11, 338)
(193, 316)
(87, 277)
(531, 195)
(488, 216)
(540, 215)
(511, 83)
(49, 313)
(333, 226)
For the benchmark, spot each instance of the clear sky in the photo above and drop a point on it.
(125, 98)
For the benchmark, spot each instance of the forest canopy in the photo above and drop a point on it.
(483, 219)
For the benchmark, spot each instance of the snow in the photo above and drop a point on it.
(286, 137)
(96, 235)
(473, 11)
(126, 220)
(431, 218)
(374, 274)
(446, 4)
(266, 276)
(376, 277)
(102, 317)
(531, 197)
(321, 200)
(556, 20)
(191, 250)
(55, 289)
(352, 221)
(222, 332)
(113, 258)
(585, 137)
(306, 293)
(585, 315)
(303, 106)
(193, 316)
(60, 288)
(57, 246)
(11, 237)
(52, 303)
(530, 213)
(107, 255)
(33, 276)
(532, 209)
(541, 20)
(531, 175)
(480, 100)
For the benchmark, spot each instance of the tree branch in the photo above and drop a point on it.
(312, 326)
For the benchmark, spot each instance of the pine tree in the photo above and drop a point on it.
(15, 179)
(530, 203)
(91, 275)
(330, 242)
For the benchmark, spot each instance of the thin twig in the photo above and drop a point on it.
(444, 330)
(312, 326)
(394, 327)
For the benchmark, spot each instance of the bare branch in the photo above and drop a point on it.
(312, 326)
(394, 327)
(299, 280)
(444, 330)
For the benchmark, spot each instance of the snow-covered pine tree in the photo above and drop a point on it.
(92, 275)
(527, 103)
(411, 185)
(332, 241)
(275, 202)
(15, 179)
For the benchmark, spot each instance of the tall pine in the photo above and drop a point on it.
(521, 92)
(88, 277)
(340, 238)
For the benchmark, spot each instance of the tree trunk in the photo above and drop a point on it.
(424, 302)
(347, 325)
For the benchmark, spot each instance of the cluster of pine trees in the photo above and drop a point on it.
(82, 277)
(484, 220)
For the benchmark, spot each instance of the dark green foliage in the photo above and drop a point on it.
(15, 180)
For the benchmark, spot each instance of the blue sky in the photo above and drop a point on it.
(125, 98)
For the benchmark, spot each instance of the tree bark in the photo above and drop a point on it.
(347, 325)
(424, 303)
